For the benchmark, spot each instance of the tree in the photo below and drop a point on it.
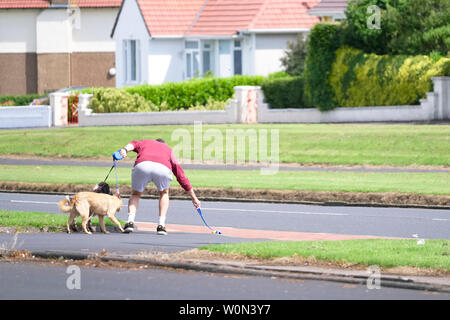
(295, 56)
(419, 27)
(409, 27)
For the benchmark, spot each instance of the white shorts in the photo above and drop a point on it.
(149, 171)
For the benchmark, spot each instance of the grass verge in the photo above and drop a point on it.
(386, 253)
(417, 183)
(339, 144)
(23, 221)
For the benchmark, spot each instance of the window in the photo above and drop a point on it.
(206, 57)
(131, 61)
(237, 57)
(192, 54)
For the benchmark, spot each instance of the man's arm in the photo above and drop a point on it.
(194, 198)
(124, 151)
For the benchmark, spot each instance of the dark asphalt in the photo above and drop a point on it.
(385, 222)
(65, 162)
(32, 281)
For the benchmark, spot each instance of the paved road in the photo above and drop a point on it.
(384, 222)
(32, 281)
(43, 282)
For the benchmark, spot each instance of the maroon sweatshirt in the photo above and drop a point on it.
(152, 150)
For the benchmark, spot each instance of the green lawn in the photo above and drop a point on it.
(54, 222)
(346, 144)
(421, 183)
(433, 254)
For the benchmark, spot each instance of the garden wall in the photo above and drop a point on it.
(26, 117)
(436, 106)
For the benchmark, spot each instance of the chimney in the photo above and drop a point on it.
(59, 3)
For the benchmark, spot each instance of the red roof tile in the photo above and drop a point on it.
(97, 3)
(29, 4)
(19, 4)
(285, 14)
(227, 17)
(169, 17)
(223, 17)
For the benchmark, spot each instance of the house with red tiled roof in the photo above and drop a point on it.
(161, 41)
(329, 10)
(47, 45)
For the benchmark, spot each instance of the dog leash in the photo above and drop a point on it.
(117, 177)
(114, 166)
(108, 173)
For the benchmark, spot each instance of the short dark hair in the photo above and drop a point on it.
(160, 140)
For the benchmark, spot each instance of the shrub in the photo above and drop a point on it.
(19, 100)
(106, 100)
(196, 92)
(323, 42)
(360, 79)
(285, 92)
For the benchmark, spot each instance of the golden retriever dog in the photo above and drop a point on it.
(85, 204)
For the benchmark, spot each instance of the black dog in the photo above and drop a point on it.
(101, 187)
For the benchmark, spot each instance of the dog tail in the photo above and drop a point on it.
(65, 205)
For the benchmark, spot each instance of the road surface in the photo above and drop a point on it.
(32, 281)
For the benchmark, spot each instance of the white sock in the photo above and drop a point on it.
(162, 221)
(131, 216)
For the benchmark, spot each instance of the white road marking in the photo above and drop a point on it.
(439, 219)
(40, 202)
(279, 211)
(33, 202)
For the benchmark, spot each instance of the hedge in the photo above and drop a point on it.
(19, 100)
(323, 42)
(196, 92)
(360, 79)
(284, 92)
(107, 100)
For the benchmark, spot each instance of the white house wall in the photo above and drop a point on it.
(53, 32)
(130, 26)
(94, 32)
(165, 60)
(18, 31)
(43, 50)
(269, 50)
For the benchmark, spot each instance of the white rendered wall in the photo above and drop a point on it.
(18, 31)
(53, 31)
(165, 60)
(269, 50)
(94, 33)
(131, 26)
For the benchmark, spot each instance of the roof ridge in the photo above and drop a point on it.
(196, 17)
(261, 10)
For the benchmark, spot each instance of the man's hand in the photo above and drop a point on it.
(194, 198)
(196, 203)
(123, 152)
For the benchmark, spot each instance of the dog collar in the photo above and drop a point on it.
(118, 196)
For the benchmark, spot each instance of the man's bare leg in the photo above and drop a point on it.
(133, 205)
(163, 207)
